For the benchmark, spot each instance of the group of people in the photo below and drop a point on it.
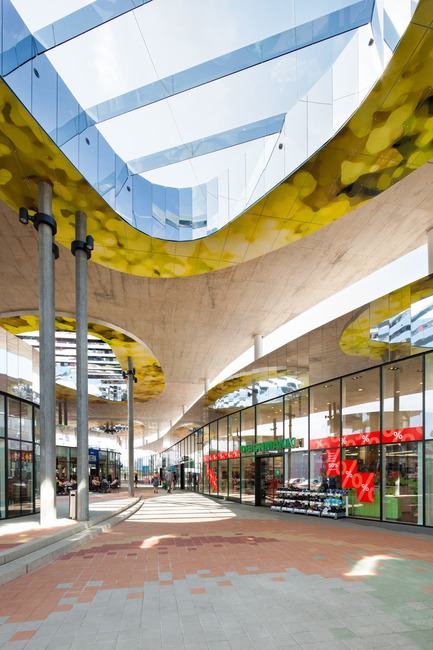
(170, 480)
(103, 485)
(64, 486)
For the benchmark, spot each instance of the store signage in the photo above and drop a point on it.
(332, 462)
(94, 456)
(270, 445)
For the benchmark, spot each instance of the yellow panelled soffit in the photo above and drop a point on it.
(388, 137)
(150, 378)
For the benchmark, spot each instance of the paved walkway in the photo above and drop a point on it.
(18, 531)
(187, 571)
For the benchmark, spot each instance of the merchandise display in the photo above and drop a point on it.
(332, 503)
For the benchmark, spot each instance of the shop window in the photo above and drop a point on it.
(270, 423)
(298, 469)
(325, 415)
(2, 416)
(429, 483)
(37, 424)
(234, 478)
(248, 426)
(324, 470)
(361, 408)
(222, 439)
(2, 480)
(248, 489)
(234, 436)
(296, 418)
(360, 475)
(213, 438)
(223, 487)
(402, 401)
(403, 482)
(428, 396)
(14, 419)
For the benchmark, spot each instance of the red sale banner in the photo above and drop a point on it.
(365, 492)
(333, 462)
(349, 469)
(402, 435)
(353, 439)
(325, 443)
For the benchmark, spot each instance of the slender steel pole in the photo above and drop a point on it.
(47, 361)
(130, 376)
(82, 369)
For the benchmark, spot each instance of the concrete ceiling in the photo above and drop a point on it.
(196, 326)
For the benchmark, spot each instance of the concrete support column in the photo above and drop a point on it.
(258, 346)
(81, 255)
(130, 375)
(47, 359)
(206, 386)
(258, 352)
(430, 250)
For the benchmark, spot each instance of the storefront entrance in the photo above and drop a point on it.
(269, 477)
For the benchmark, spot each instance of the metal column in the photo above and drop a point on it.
(82, 252)
(131, 376)
(47, 358)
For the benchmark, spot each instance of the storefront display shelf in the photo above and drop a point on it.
(332, 503)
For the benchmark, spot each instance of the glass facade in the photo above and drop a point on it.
(19, 479)
(362, 432)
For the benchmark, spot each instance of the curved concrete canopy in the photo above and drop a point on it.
(387, 138)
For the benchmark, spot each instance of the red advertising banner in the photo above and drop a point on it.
(333, 462)
(325, 443)
(402, 435)
(353, 439)
(365, 492)
(349, 468)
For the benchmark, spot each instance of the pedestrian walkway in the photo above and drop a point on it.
(25, 529)
(187, 571)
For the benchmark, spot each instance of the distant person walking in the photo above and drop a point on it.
(136, 480)
(168, 480)
(155, 483)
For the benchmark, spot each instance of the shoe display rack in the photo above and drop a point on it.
(332, 503)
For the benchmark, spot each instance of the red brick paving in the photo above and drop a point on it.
(135, 552)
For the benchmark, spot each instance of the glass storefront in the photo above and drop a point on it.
(363, 432)
(18, 434)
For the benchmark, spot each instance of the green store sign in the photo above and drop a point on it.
(271, 445)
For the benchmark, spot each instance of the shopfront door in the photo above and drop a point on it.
(269, 477)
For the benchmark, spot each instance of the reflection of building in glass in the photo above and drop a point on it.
(260, 391)
(414, 325)
(105, 374)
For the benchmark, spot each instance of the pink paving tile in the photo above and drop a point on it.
(22, 636)
(165, 582)
(278, 579)
(134, 596)
(429, 589)
(415, 568)
(198, 590)
(224, 583)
